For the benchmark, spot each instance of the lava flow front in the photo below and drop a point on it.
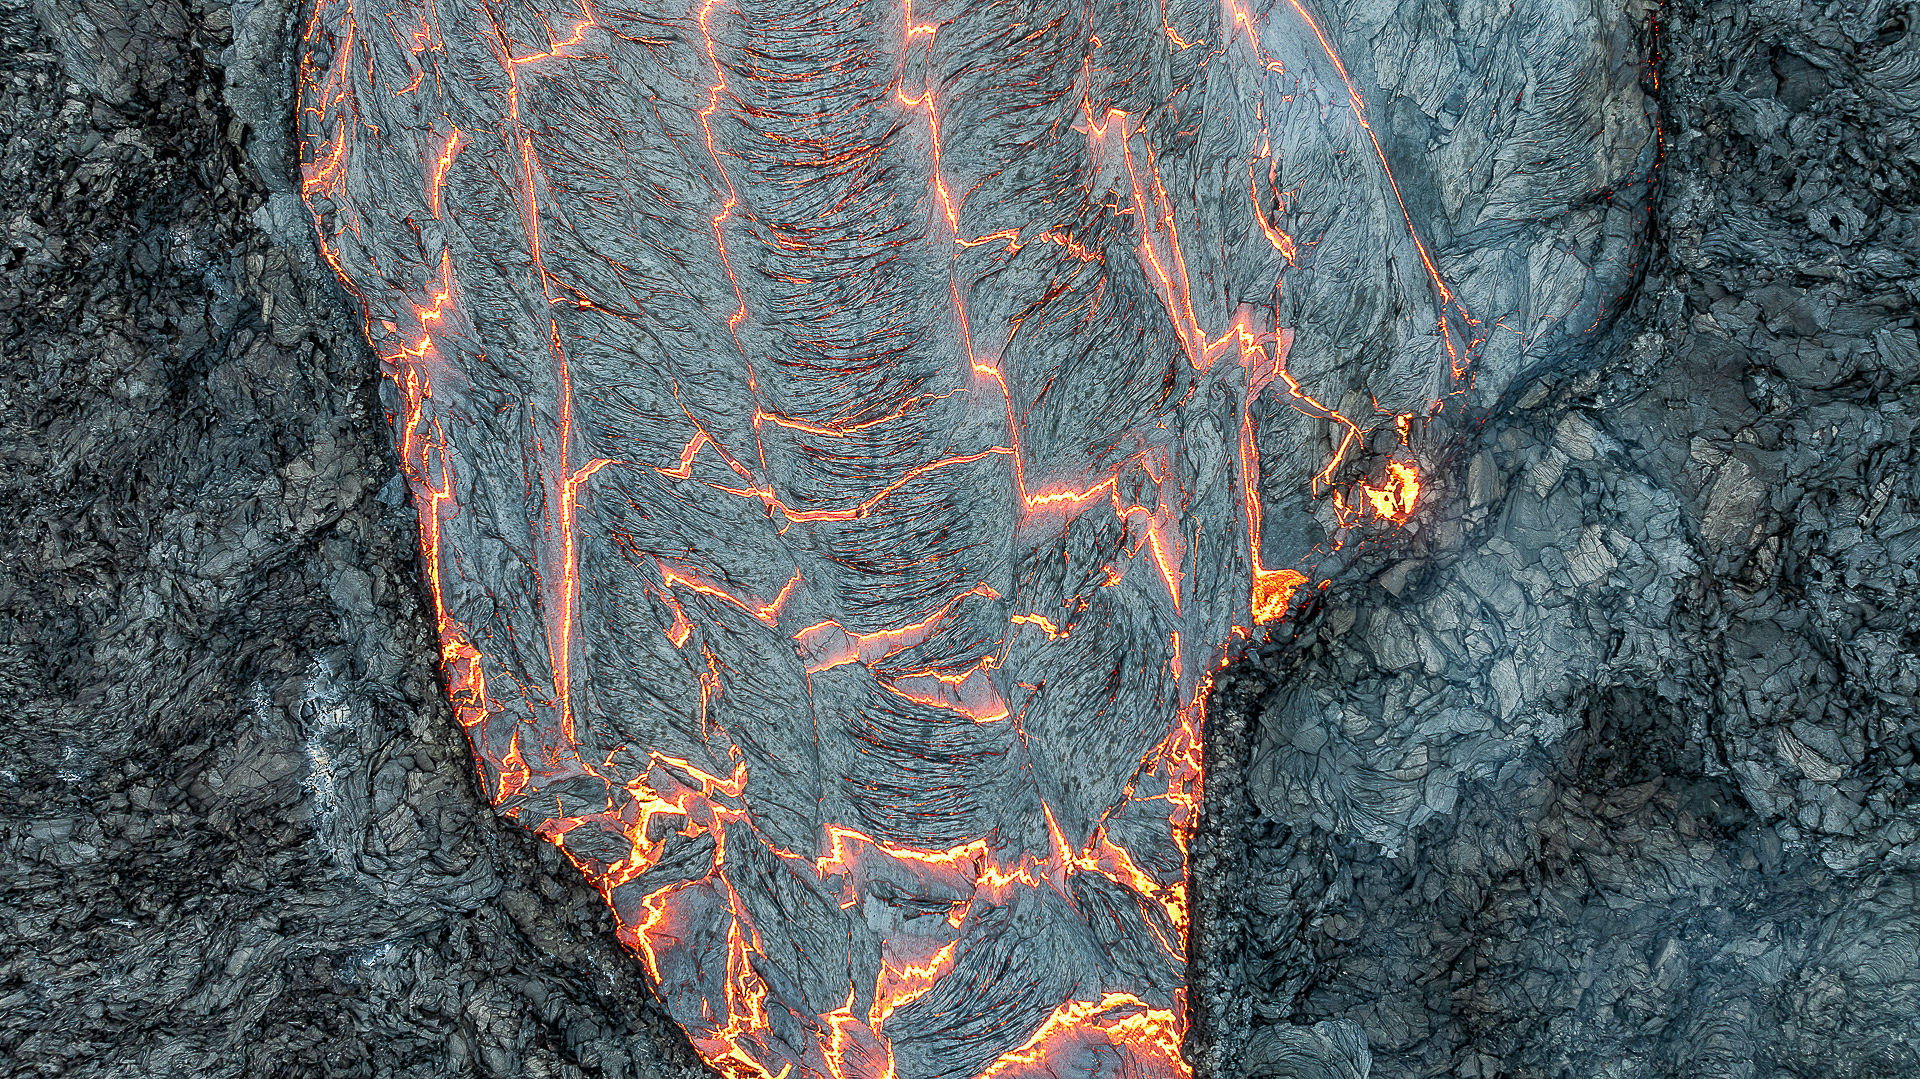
(841, 436)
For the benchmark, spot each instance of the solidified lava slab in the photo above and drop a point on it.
(841, 438)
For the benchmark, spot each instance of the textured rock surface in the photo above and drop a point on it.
(239, 834)
(841, 450)
(836, 632)
(1623, 782)
(1604, 769)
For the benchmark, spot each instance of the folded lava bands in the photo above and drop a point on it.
(840, 436)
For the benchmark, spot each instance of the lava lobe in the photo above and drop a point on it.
(840, 436)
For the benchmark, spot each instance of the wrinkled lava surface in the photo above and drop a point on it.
(844, 441)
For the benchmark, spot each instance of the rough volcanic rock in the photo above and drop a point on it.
(1602, 766)
(238, 830)
(841, 452)
(1623, 782)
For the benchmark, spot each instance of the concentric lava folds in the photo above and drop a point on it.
(846, 438)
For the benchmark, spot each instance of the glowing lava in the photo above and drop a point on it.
(796, 572)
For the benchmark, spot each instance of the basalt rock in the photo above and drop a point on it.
(846, 439)
(1593, 755)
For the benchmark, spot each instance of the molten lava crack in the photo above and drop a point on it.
(841, 438)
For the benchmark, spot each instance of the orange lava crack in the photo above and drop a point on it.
(671, 800)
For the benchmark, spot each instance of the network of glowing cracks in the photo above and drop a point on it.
(672, 796)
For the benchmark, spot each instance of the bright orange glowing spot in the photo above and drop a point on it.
(1272, 591)
(437, 182)
(1393, 500)
(1114, 1019)
(1045, 624)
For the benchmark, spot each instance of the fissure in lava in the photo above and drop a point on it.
(835, 433)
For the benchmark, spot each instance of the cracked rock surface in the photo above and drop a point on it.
(842, 457)
(1622, 782)
(239, 835)
(1603, 766)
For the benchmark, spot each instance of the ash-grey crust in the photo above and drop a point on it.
(239, 832)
